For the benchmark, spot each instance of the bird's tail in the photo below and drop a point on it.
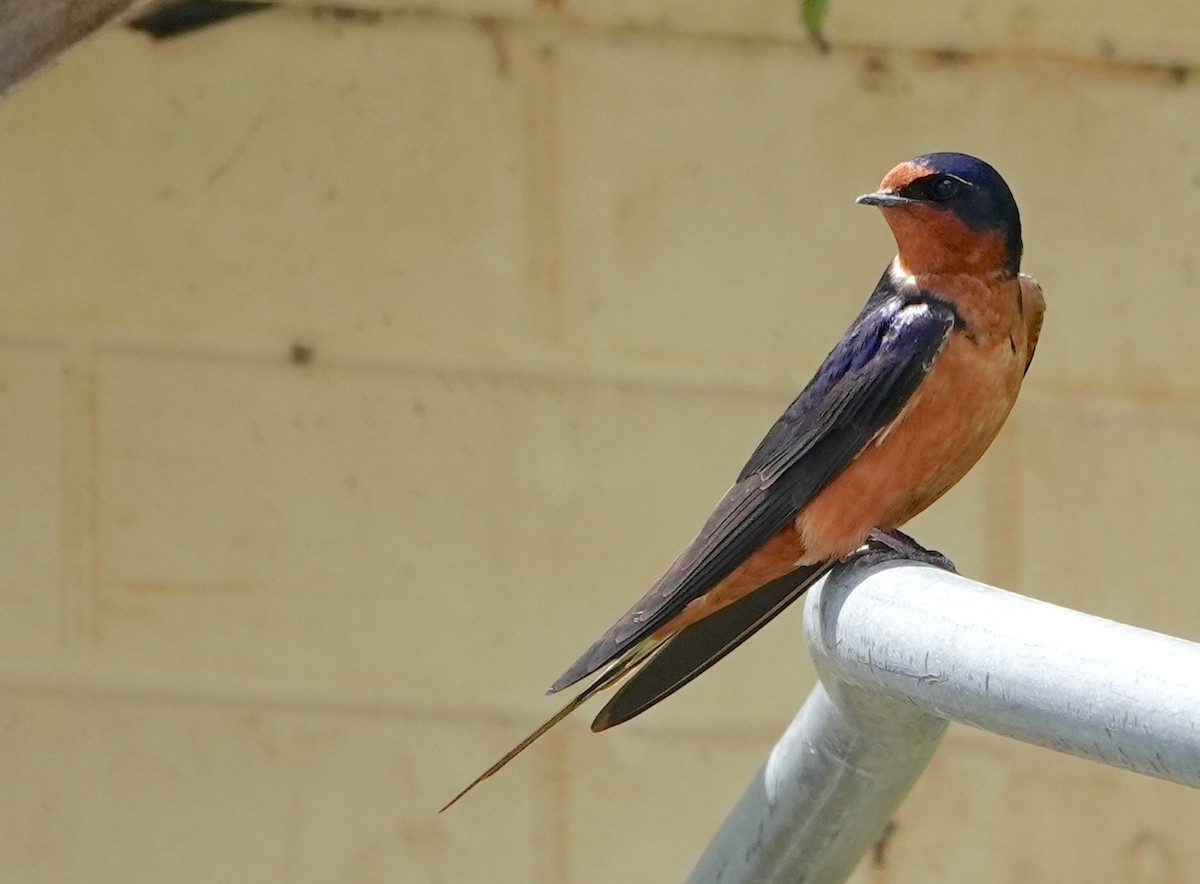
(696, 647)
(672, 661)
(614, 673)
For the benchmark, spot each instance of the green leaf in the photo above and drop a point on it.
(812, 13)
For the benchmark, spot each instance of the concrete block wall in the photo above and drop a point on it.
(358, 367)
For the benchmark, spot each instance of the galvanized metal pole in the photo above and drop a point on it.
(901, 649)
(825, 794)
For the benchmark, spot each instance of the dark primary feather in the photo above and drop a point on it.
(860, 387)
(697, 647)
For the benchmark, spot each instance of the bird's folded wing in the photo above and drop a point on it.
(860, 388)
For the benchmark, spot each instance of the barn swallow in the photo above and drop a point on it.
(904, 405)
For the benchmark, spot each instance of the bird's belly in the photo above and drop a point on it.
(940, 434)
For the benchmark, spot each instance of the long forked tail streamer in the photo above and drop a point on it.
(607, 679)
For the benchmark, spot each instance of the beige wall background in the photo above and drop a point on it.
(557, 266)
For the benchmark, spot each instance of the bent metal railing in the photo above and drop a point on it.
(903, 649)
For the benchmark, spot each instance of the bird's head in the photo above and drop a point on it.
(950, 213)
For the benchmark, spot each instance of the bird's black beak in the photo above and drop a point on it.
(884, 199)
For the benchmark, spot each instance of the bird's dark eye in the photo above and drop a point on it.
(943, 188)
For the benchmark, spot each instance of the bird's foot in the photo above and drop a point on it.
(894, 545)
